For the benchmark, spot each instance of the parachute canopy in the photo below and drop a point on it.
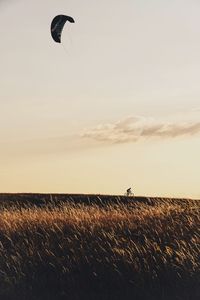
(57, 26)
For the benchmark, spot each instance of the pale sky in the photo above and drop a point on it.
(116, 105)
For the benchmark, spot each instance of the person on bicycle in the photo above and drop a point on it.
(129, 192)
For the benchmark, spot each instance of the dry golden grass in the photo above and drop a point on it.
(112, 251)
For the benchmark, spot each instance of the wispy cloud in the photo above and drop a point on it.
(134, 128)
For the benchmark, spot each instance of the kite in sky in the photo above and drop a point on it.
(57, 26)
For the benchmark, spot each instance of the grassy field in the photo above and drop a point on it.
(98, 247)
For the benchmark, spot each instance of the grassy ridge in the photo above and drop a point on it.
(98, 247)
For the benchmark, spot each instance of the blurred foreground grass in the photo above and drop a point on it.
(148, 249)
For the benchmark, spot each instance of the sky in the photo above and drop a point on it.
(115, 105)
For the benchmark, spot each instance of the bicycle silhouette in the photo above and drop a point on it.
(129, 193)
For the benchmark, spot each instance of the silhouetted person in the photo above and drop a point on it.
(129, 192)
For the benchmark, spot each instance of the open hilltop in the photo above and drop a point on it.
(65, 246)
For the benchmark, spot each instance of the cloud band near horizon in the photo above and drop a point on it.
(134, 128)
